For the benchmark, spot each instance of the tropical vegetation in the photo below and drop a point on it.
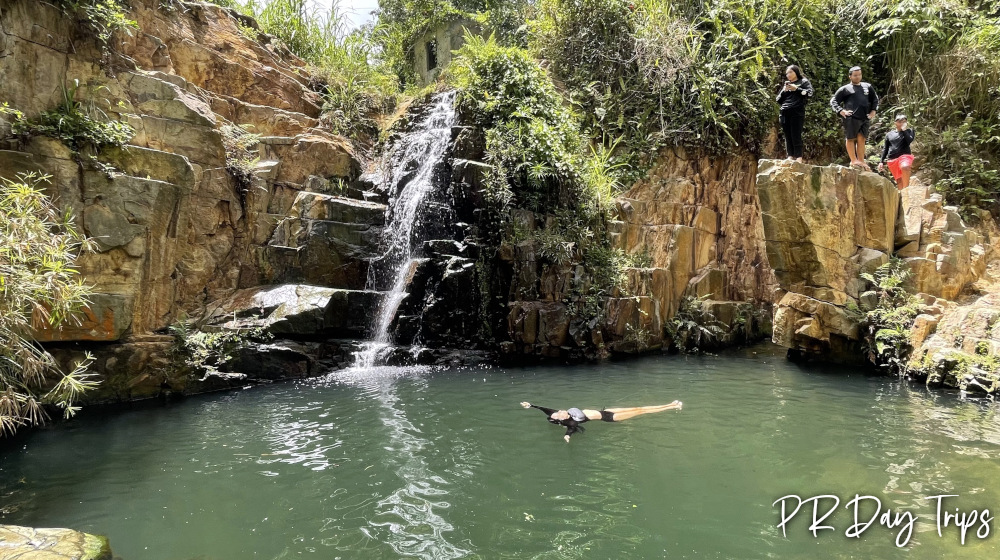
(39, 289)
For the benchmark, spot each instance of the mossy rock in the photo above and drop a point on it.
(52, 544)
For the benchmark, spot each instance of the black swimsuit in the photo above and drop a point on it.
(572, 425)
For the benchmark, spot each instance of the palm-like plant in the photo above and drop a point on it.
(39, 288)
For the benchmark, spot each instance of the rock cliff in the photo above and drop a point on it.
(825, 225)
(174, 230)
(179, 234)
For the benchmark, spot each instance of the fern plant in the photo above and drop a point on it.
(693, 327)
(886, 312)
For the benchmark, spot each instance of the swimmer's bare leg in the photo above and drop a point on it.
(619, 414)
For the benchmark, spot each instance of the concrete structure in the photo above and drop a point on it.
(432, 50)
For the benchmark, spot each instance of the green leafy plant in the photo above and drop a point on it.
(637, 336)
(40, 288)
(656, 72)
(943, 57)
(204, 353)
(968, 179)
(74, 123)
(103, 17)
(241, 156)
(885, 313)
(749, 322)
(693, 328)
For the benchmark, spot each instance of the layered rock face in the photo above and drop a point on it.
(174, 230)
(823, 226)
(695, 220)
(954, 339)
(943, 253)
(826, 225)
(698, 218)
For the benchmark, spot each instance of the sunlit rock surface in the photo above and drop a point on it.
(51, 544)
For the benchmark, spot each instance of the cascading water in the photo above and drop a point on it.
(408, 516)
(424, 147)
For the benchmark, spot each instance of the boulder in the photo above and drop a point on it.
(52, 544)
(315, 206)
(296, 310)
(106, 318)
(809, 325)
(944, 255)
(816, 218)
(310, 154)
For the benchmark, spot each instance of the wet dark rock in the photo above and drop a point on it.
(448, 248)
(320, 252)
(282, 359)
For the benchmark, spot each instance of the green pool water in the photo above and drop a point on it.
(393, 462)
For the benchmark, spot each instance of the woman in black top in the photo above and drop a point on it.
(897, 151)
(792, 97)
(573, 417)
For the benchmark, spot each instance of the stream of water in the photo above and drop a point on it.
(411, 177)
(409, 462)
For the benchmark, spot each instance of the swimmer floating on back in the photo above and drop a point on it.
(573, 417)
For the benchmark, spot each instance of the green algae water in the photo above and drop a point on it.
(400, 463)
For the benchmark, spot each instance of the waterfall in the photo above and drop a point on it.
(411, 177)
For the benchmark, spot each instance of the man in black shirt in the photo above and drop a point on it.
(856, 104)
(897, 151)
(573, 417)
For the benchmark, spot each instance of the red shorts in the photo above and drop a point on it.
(894, 165)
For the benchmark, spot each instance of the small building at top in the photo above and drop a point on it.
(432, 50)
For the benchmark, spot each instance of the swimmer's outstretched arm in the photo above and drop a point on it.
(547, 411)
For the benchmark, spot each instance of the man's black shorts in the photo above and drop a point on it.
(853, 127)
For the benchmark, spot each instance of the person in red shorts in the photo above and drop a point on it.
(897, 151)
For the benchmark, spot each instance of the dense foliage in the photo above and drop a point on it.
(943, 59)
(39, 287)
(886, 312)
(643, 74)
(540, 162)
(102, 17)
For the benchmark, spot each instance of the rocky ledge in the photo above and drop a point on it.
(823, 226)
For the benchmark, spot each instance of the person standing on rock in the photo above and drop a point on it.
(793, 96)
(897, 150)
(856, 103)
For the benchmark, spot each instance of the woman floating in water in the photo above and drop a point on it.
(573, 417)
